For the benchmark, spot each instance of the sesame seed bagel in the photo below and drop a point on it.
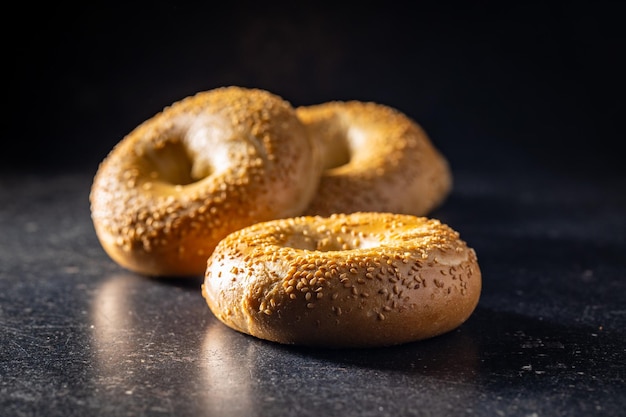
(375, 159)
(348, 280)
(205, 166)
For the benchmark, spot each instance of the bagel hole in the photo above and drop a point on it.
(337, 152)
(335, 144)
(330, 243)
(172, 163)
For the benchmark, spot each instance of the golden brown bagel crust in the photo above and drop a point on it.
(357, 280)
(376, 159)
(205, 166)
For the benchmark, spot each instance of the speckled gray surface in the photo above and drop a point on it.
(81, 336)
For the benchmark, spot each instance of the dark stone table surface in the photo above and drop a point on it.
(80, 336)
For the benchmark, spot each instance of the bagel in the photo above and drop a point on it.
(375, 158)
(203, 167)
(347, 280)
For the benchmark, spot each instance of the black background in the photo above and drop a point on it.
(500, 87)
